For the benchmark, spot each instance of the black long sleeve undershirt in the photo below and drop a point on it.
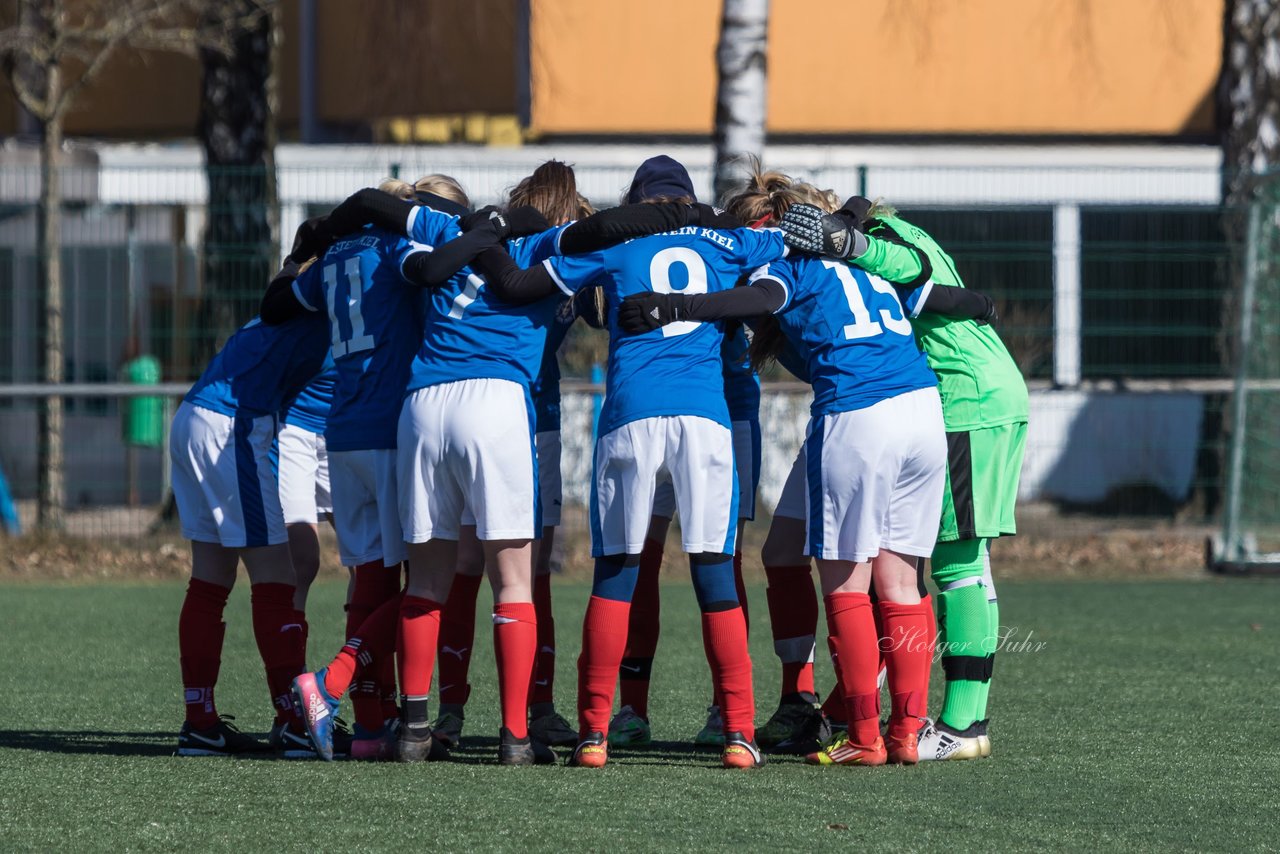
(951, 301)
(611, 227)
(509, 283)
(766, 296)
(280, 303)
(371, 207)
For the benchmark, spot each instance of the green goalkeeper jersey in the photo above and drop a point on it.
(978, 381)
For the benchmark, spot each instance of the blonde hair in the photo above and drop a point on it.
(767, 195)
(396, 187)
(443, 186)
(762, 201)
(552, 190)
(880, 208)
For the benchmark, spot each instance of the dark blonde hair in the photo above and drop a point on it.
(396, 187)
(443, 186)
(552, 190)
(767, 194)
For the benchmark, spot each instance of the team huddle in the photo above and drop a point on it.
(402, 380)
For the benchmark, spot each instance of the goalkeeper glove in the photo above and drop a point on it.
(807, 228)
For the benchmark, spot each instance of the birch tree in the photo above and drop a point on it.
(742, 88)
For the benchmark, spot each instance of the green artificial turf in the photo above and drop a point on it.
(1145, 721)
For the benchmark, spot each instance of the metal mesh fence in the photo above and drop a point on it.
(1122, 272)
(1251, 523)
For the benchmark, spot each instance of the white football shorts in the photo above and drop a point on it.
(694, 454)
(366, 510)
(467, 447)
(793, 503)
(874, 478)
(550, 489)
(746, 458)
(302, 463)
(223, 481)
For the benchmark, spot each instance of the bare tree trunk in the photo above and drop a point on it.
(50, 488)
(741, 96)
(1249, 97)
(237, 133)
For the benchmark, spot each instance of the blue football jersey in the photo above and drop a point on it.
(741, 384)
(310, 409)
(855, 331)
(675, 370)
(546, 386)
(471, 334)
(375, 318)
(261, 366)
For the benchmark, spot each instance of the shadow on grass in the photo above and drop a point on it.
(100, 743)
(483, 750)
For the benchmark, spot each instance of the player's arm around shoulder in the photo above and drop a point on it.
(895, 261)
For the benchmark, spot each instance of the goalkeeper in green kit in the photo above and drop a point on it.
(984, 406)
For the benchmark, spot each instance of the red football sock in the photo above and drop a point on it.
(386, 663)
(200, 633)
(906, 647)
(544, 665)
(375, 584)
(741, 587)
(300, 617)
(416, 653)
(852, 631)
(833, 706)
(366, 593)
(927, 601)
(515, 644)
(372, 646)
(280, 643)
(457, 637)
(875, 615)
(642, 631)
(724, 637)
(387, 679)
(793, 617)
(604, 638)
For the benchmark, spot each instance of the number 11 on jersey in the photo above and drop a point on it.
(358, 340)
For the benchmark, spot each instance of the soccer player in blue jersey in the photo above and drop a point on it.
(664, 416)
(454, 473)
(302, 467)
(369, 282)
(630, 726)
(551, 190)
(229, 503)
(302, 464)
(875, 459)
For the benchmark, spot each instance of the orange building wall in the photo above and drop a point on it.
(1144, 67)
(1012, 67)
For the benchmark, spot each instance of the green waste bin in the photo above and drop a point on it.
(143, 416)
